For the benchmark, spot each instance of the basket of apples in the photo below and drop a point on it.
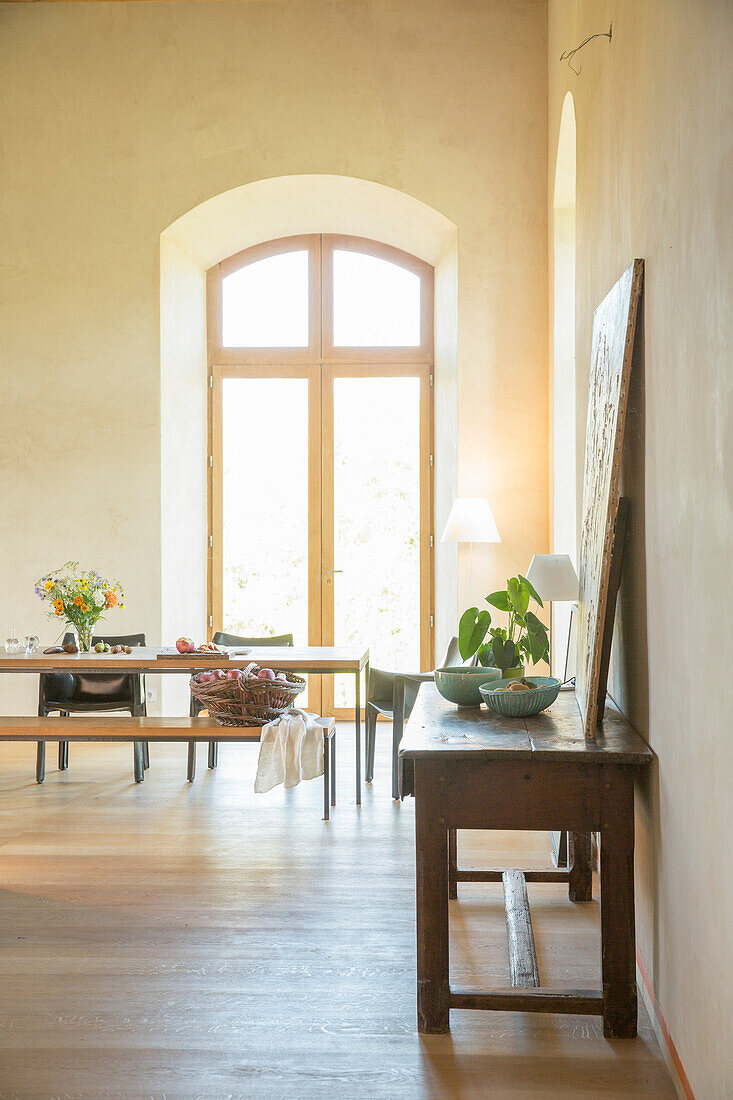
(251, 696)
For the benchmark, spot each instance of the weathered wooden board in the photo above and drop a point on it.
(522, 951)
(614, 325)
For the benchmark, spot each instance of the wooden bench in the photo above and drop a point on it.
(163, 730)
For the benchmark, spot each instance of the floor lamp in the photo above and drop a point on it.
(555, 580)
(471, 520)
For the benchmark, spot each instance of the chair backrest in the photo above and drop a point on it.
(111, 639)
(220, 638)
(453, 656)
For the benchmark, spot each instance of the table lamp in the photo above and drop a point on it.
(555, 579)
(471, 520)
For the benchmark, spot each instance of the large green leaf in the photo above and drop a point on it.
(499, 600)
(472, 631)
(537, 638)
(532, 590)
(518, 594)
(505, 653)
(486, 656)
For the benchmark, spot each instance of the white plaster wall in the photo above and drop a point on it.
(183, 431)
(655, 179)
(120, 118)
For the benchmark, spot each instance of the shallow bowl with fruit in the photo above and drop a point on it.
(520, 698)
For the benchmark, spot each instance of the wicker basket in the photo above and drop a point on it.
(250, 702)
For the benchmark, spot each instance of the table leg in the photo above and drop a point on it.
(357, 729)
(326, 776)
(452, 863)
(618, 948)
(431, 849)
(580, 887)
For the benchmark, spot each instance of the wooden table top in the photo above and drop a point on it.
(145, 659)
(437, 726)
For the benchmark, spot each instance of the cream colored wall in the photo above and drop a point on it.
(119, 118)
(183, 449)
(655, 179)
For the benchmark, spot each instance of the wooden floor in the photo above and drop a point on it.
(175, 940)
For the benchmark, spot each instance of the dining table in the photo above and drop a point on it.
(315, 660)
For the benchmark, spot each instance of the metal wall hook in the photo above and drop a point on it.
(568, 55)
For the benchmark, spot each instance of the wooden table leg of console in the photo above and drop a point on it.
(618, 946)
(452, 864)
(580, 887)
(431, 844)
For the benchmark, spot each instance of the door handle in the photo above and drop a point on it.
(334, 570)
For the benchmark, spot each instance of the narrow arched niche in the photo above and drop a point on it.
(219, 227)
(564, 495)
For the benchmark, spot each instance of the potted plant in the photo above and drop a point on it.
(525, 638)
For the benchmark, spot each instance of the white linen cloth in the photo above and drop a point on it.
(291, 749)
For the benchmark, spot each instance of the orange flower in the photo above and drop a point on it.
(84, 608)
(110, 598)
(78, 600)
(59, 610)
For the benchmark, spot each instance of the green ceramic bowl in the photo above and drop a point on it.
(460, 684)
(520, 704)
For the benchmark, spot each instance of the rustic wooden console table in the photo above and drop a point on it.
(472, 769)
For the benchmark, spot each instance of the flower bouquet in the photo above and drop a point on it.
(79, 596)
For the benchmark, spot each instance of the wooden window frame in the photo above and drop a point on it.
(321, 363)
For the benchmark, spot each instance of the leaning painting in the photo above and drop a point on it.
(614, 324)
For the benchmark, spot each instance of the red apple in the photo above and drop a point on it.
(203, 678)
(265, 674)
(217, 674)
(185, 645)
(233, 674)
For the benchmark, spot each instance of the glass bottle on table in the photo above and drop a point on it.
(12, 642)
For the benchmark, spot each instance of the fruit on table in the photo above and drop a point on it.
(69, 647)
(185, 645)
(54, 649)
(265, 674)
(233, 674)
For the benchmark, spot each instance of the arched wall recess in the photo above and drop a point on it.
(564, 449)
(217, 228)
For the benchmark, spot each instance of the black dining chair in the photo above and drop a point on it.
(77, 692)
(220, 638)
(393, 694)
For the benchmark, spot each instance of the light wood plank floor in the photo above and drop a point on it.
(180, 941)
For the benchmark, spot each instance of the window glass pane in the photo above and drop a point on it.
(375, 303)
(376, 522)
(265, 304)
(265, 508)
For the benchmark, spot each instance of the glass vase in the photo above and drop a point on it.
(84, 637)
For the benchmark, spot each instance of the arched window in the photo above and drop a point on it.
(320, 358)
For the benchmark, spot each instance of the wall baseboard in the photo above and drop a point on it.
(672, 1060)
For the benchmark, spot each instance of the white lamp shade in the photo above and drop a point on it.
(553, 576)
(471, 520)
